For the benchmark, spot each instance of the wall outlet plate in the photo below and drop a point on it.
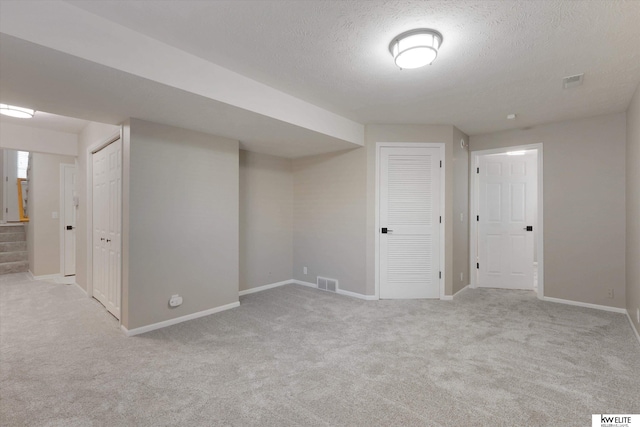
(175, 301)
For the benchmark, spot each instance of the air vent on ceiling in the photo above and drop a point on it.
(327, 284)
(572, 81)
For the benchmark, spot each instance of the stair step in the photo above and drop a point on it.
(13, 237)
(17, 228)
(13, 256)
(13, 246)
(14, 267)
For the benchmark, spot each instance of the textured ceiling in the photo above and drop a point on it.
(498, 57)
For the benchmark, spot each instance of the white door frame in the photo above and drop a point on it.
(441, 146)
(90, 151)
(473, 211)
(63, 211)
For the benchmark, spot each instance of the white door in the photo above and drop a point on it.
(12, 212)
(69, 220)
(107, 226)
(410, 222)
(507, 207)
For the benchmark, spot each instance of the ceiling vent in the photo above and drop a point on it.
(572, 81)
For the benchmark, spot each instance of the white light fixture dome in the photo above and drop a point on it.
(415, 48)
(13, 111)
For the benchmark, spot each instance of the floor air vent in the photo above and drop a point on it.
(327, 284)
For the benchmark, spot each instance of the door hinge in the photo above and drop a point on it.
(477, 217)
(440, 274)
(6, 178)
(477, 170)
(478, 265)
(6, 210)
(440, 220)
(440, 163)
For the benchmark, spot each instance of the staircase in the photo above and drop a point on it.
(13, 249)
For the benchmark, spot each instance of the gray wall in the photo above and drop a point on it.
(44, 199)
(334, 209)
(329, 194)
(633, 209)
(181, 208)
(266, 220)
(456, 250)
(584, 205)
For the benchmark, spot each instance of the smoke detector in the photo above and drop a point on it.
(572, 81)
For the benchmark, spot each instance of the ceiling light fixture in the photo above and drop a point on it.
(13, 111)
(415, 48)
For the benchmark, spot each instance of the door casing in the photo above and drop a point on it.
(441, 146)
(473, 211)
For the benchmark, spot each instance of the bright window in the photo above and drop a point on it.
(23, 164)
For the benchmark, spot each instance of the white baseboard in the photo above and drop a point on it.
(45, 276)
(451, 297)
(633, 326)
(309, 284)
(585, 304)
(357, 295)
(338, 291)
(82, 289)
(264, 287)
(170, 322)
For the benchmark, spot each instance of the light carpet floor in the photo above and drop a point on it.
(295, 356)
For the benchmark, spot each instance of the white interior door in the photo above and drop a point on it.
(69, 220)
(507, 206)
(410, 222)
(107, 226)
(12, 212)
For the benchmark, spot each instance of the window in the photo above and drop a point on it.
(23, 164)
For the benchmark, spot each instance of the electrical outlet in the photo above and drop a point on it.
(304, 270)
(610, 293)
(175, 301)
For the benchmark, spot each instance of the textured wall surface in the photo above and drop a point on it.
(266, 220)
(183, 222)
(633, 209)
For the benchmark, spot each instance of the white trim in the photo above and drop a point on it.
(451, 297)
(82, 289)
(170, 322)
(308, 284)
(63, 212)
(473, 209)
(89, 202)
(585, 304)
(46, 276)
(633, 326)
(356, 295)
(443, 180)
(264, 287)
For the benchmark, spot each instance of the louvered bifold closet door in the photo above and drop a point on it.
(410, 211)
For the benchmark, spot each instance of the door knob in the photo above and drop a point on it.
(70, 227)
(386, 230)
(102, 238)
(528, 228)
(108, 240)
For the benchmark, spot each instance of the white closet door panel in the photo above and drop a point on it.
(409, 209)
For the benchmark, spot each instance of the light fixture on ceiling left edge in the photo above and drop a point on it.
(415, 48)
(14, 111)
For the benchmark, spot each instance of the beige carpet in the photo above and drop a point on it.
(294, 356)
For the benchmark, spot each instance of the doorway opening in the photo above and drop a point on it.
(506, 233)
